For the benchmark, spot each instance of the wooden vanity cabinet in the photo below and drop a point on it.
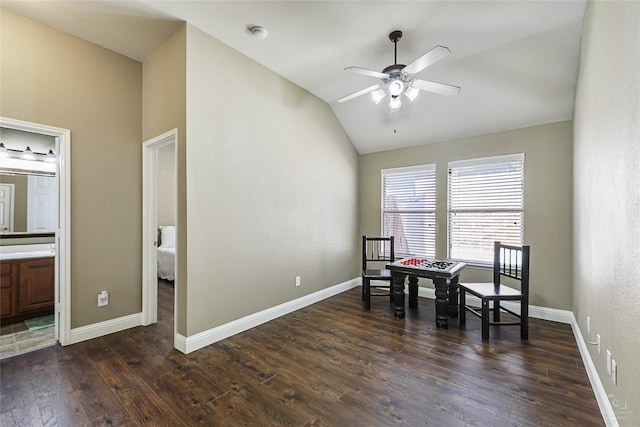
(27, 288)
(36, 284)
(8, 288)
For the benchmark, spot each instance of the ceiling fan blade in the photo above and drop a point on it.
(433, 87)
(366, 72)
(429, 58)
(360, 92)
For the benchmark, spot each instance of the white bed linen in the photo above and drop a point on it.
(166, 263)
(167, 252)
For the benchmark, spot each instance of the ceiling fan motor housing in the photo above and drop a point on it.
(395, 73)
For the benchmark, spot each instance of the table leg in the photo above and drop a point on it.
(413, 291)
(398, 294)
(442, 302)
(454, 307)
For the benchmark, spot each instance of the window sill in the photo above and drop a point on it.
(475, 264)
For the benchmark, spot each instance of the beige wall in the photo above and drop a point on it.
(548, 199)
(272, 188)
(164, 108)
(52, 78)
(607, 197)
(166, 185)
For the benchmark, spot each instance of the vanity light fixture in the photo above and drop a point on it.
(50, 157)
(27, 154)
(13, 160)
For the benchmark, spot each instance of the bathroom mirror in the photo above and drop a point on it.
(28, 199)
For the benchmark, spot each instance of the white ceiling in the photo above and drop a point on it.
(516, 61)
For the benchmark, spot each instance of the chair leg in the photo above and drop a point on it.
(485, 319)
(367, 294)
(363, 288)
(524, 319)
(496, 310)
(463, 307)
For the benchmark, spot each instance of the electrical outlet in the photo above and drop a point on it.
(598, 342)
(103, 298)
(608, 362)
(614, 372)
(588, 324)
(298, 281)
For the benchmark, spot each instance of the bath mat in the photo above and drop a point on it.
(39, 322)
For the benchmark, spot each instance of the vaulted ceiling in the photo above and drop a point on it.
(516, 61)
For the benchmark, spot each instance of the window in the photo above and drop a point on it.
(486, 203)
(409, 209)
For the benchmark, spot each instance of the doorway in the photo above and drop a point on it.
(62, 221)
(156, 173)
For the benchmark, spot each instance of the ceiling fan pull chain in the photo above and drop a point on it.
(395, 119)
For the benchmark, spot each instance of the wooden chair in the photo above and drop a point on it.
(376, 253)
(509, 261)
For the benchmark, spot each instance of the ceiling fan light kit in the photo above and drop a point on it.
(378, 95)
(397, 79)
(395, 104)
(396, 87)
(411, 93)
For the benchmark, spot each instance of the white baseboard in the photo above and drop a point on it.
(107, 327)
(598, 389)
(560, 316)
(205, 338)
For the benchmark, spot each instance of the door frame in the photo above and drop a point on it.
(150, 150)
(62, 287)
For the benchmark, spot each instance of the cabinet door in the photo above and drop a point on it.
(36, 284)
(8, 289)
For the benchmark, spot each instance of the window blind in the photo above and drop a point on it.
(408, 209)
(486, 203)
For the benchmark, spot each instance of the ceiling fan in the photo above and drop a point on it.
(398, 78)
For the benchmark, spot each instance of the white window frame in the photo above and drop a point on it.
(478, 249)
(410, 243)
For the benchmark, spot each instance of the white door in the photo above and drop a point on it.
(6, 208)
(41, 203)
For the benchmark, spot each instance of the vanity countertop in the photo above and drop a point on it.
(27, 251)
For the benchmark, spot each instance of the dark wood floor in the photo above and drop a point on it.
(330, 364)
